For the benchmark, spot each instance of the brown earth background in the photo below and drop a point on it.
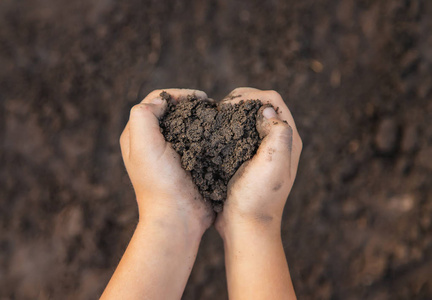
(355, 74)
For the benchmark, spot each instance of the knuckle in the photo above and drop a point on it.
(273, 95)
(287, 132)
(122, 139)
(151, 95)
(199, 93)
(138, 110)
(135, 110)
(235, 92)
(154, 93)
(298, 142)
(284, 133)
(243, 90)
(283, 125)
(238, 89)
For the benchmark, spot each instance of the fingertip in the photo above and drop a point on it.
(269, 112)
(264, 115)
(158, 100)
(157, 106)
(161, 105)
(200, 94)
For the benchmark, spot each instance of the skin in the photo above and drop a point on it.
(250, 224)
(173, 215)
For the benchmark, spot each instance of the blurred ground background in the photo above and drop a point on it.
(355, 74)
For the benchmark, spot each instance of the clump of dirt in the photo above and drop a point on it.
(213, 140)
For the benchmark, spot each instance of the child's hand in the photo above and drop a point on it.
(258, 191)
(173, 217)
(164, 190)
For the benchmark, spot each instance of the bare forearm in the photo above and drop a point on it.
(156, 264)
(256, 263)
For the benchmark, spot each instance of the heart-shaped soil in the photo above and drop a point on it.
(213, 140)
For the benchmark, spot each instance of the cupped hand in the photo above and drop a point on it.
(164, 190)
(258, 191)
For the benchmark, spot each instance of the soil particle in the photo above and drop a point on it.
(213, 140)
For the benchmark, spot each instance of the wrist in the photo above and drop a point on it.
(171, 223)
(236, 226)
(250, 237)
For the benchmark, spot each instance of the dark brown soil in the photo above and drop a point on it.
(356, 75)
(213, 140)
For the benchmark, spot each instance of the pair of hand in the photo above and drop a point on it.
(256, 194)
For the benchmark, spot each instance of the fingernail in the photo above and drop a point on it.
(269, 113)
(157, 100)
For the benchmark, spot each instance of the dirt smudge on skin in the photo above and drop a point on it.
(230, 97)
(270, 152)
(264, 218)
(277, 186)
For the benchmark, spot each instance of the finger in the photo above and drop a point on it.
(266, 97)
(124, 142)
(280, 145)
(269, 98)
(263, 125)
(273, 164)
(274, 131)
(276, 149)
(239, 94)
(275, 99)
(144, 131)
(176, 94)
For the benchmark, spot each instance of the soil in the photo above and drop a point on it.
(213, 140)
(356, 75)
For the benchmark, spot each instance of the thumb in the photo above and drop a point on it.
(144, 130)
(276, 146)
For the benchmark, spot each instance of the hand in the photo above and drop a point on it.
(258, 191)
(164, 190)
(173, 217)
